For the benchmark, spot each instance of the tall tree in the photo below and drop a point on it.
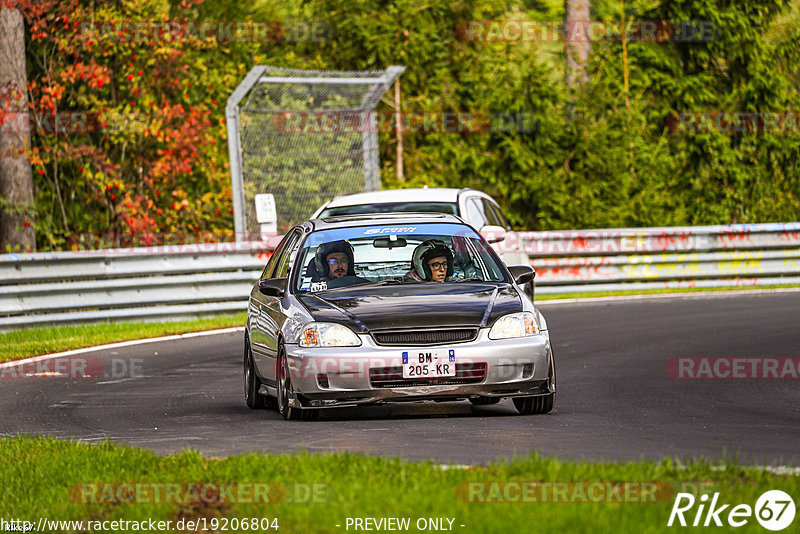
(576, 20)
(16, 180)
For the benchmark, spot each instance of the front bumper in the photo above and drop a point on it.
(371, 373)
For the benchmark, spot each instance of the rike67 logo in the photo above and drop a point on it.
(774, 510)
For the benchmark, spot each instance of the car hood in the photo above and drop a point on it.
(414, 305)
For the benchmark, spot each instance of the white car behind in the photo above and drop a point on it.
(476, 208)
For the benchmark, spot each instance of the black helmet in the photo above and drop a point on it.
(320, 258)
(432, 248)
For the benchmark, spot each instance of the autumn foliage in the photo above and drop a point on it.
(128, 139)
(142, 154)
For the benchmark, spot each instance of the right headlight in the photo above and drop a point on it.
(514, 325)
(328, 335)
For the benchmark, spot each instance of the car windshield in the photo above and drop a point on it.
(384, 254)
(390, 207)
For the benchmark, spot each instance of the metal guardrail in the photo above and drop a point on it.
(136, 283)
(194, 280)
(654, 258)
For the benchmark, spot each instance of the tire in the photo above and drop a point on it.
(254, 400)
(484, 401)
(284, 386)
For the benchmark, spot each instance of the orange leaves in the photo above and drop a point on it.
(155, 137)
(50, 96)
(94, 74)
(99, 77)
(35, 159)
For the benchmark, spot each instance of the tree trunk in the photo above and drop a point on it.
(577, 45)
(16, 180)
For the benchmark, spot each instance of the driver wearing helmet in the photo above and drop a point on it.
(334, 264)
(432, 261)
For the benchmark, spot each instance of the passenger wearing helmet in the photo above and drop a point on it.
(334, 263)
(432, 261)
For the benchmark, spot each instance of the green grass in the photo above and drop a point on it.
(43, 477)
(589, 294)
(49, 339)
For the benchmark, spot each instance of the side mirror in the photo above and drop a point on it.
(272, 287)
(522, 274)
(493, 234)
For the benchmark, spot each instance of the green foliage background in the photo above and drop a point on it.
(592, 160)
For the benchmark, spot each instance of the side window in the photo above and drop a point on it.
(273, 260)
(502, 217)
(494, 214)
(475, 215)
(287, 257)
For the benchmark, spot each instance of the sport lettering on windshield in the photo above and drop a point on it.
(391, 230)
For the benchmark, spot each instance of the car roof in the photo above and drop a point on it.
(427, 194)
(347, 221)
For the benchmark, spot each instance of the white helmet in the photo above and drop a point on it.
(432, 248)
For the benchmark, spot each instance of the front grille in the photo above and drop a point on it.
(425, 337)
(392, 377)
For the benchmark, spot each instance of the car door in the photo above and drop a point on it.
(274, 309)
(268, 311)
(255, 328)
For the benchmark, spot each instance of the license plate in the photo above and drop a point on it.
(429, 363)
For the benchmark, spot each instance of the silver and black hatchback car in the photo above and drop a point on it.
(406, 307)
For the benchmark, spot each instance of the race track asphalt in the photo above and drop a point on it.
(616, 399)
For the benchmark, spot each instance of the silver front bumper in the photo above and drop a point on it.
(330, 377)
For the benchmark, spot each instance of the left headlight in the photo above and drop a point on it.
(328, 335)
(514, 325)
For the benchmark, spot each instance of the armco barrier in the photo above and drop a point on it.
(161, 282)
(191, 280)
(652, 258)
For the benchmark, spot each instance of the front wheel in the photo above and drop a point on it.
(285, 391)
(254, 400)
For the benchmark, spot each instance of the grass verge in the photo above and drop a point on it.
(62, 480)
(49, 339)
